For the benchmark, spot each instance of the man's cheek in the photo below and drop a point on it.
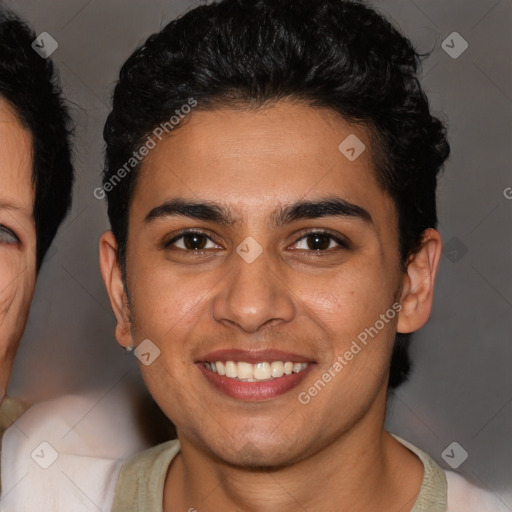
(170, 317)
(324, 302)
(170, 386)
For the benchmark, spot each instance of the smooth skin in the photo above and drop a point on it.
(307, 294)
(17, 237)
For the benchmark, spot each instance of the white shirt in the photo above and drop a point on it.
(64, 455)
(466, 497)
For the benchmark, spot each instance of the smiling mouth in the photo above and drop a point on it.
(258, 372)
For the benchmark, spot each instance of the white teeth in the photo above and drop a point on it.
(277, 369)
(262, 371)
(244, 371)
(249, 372)
(230, 369)
(298, 367)
(220, 368)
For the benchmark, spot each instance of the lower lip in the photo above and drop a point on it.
(254, 391)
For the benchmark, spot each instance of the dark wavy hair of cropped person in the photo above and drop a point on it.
(334, 54)
(30, 85)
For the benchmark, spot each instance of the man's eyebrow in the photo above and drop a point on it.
(214, 212)
(205, 210)
(328, 207)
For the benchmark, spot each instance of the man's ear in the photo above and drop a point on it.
(418, 283)
(112, 277)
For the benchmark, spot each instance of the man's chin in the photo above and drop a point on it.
(254, 455)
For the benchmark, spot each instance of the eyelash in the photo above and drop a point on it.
(183, 234)
(342, 244)
(4, 229)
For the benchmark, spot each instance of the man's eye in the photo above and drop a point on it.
(191, 242)
(7, 236)
(319, 242)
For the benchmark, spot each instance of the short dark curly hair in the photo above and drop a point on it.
(29, 84)
(334, 54)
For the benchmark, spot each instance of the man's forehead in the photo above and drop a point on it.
(284, 129)
(180, 177)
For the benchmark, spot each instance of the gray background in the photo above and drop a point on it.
(460, 389)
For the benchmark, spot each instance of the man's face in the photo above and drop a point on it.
(17, 237)
(323, 276)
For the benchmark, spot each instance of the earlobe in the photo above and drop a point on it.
(418, 286)
(112, 277)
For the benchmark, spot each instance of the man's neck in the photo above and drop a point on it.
(365, 469)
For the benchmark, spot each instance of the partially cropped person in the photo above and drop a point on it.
(36, 177)
(62, 454)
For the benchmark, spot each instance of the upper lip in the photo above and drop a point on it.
(252, 356)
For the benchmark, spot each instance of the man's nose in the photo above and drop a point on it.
(253, 294)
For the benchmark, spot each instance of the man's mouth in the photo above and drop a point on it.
(254, 375)
(254, 372)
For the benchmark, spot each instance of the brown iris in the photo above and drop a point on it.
(194, 242)
(318, 242)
